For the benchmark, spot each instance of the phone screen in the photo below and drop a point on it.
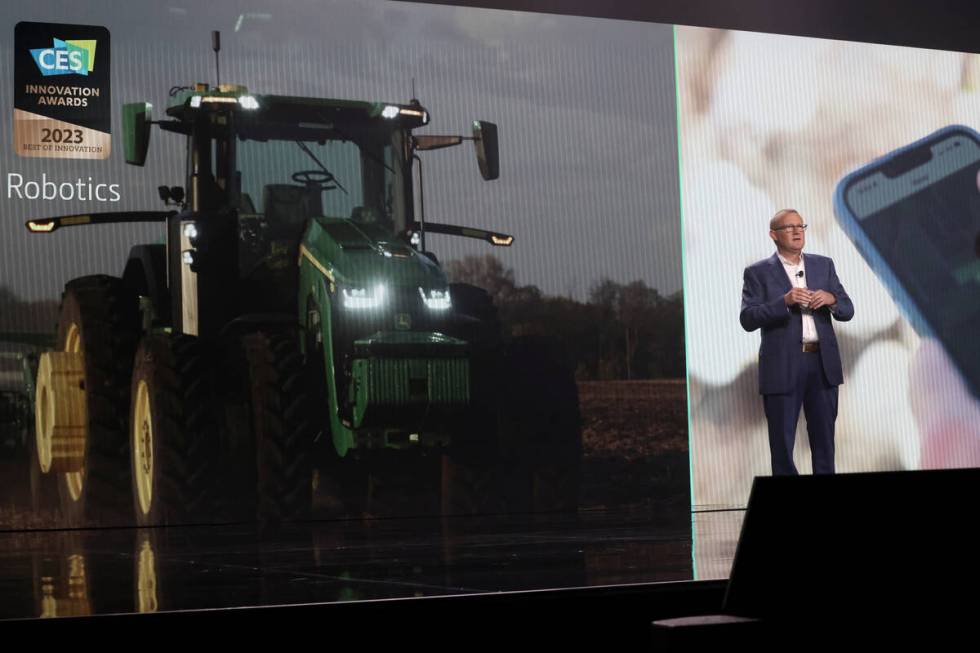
(920, 209)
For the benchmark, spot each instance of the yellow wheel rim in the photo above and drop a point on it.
(73, 341)
(142, 448)
(44, 412)
(146, 578)
(74, 481)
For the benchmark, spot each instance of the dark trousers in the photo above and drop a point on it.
(819, 402)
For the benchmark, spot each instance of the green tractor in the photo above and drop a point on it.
(292, 333)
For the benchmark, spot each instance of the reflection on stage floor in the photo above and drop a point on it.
(54, 573)
(716, 535)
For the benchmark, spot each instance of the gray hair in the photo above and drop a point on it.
(774, 222)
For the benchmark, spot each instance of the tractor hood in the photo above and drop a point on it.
(351, 254)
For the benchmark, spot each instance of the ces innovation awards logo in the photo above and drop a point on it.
(62, 104)
(75, 57)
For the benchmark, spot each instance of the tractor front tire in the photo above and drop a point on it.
(283, 424)
(173, 434)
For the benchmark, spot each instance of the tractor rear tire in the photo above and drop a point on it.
(471, 468)
(471, 483)
(480, 325)
(283, 424)
(100, 317)
(542, 427)
(173, 433)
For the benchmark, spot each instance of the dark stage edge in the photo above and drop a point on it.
(393, 580)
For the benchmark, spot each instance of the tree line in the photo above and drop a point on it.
(623, 331)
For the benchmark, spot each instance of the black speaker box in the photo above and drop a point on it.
(859, 547)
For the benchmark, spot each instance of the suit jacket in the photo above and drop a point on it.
(763, 307)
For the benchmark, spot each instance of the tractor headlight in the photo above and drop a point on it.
(436, 300)
(360, 298)
(248, 102)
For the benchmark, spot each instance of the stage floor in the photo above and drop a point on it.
(54, 573)
(715, 535)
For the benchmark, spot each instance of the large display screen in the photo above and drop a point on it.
(773, 122)
(350, 261)
(276, 262)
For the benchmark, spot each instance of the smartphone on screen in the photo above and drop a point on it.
(914, 214)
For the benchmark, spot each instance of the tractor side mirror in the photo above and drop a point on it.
(171, 194)
(137, 119)
(426, 142)
(485, 139)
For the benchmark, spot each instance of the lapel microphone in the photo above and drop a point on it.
(800, 273)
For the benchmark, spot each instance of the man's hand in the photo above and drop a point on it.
(800, 296)
(821, 298)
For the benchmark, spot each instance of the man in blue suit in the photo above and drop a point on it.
(792, 298)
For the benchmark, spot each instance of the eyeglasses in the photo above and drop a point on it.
(793, 227)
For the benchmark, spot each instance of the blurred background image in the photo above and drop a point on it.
(770, 122)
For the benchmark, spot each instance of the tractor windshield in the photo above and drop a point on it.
(292, 173)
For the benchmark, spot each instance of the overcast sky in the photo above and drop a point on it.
(585, 109)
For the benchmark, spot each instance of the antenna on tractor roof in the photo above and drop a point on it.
(414, 97)
(216, 46)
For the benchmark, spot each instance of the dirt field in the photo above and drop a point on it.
(633, 419)
(634, 435)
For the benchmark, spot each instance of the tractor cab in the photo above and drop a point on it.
(331, 179)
